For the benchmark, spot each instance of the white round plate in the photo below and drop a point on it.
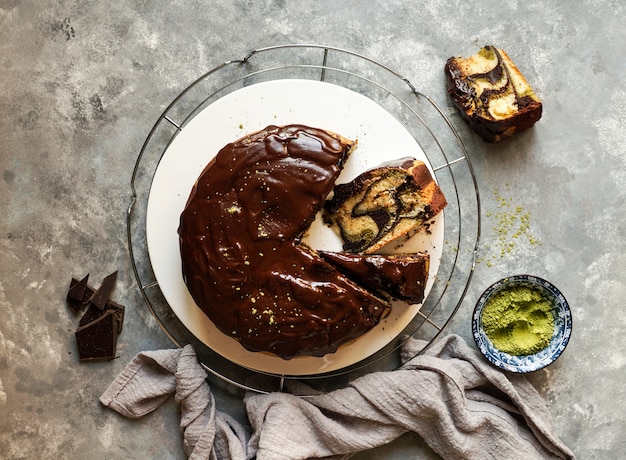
(380, 136)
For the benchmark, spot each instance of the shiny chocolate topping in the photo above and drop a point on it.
(242, 258)
(403, 276)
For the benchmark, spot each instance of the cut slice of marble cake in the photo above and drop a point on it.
(401, 276)
(383, 204)
(492, 94)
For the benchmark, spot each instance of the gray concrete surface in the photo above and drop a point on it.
(82, 82)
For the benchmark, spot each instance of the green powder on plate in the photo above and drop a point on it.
(518, 320)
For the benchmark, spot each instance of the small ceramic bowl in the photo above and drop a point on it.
(560, 337)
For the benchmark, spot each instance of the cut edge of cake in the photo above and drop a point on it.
(383, 205)
(492, 94)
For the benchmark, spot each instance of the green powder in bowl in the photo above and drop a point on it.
(519, 320)
(522, 323)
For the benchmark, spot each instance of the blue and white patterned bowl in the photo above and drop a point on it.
(541, 359)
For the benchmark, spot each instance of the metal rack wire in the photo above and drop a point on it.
(417, 112)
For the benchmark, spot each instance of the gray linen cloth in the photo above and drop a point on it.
(461, 406)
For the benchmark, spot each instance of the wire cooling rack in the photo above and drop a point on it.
(423, 119)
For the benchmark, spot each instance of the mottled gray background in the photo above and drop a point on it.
(82, 82)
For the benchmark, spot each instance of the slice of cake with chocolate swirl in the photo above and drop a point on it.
(492, 94)
(383, 204)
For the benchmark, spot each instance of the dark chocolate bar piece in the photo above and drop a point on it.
(97, 340)
(94, 313)
(101, 296)
(79, 294)
(100, 324)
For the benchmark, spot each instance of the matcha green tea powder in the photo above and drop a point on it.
(518, 320)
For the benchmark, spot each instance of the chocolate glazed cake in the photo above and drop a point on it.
(492, 94)
(242, 258)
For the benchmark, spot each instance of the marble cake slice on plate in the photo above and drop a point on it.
(383, 204)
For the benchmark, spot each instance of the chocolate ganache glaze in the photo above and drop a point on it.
(402, 276)
(242, 258)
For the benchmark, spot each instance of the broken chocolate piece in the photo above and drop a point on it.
(101, 296)
(118, 310)
(98, 339)
(100, 324)
(79, 294)
(93, 313)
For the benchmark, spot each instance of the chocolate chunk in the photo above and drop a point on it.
(118, 310)
(77, 288)
(93, 313)
(98, 339)
(79, 294)
(101, 296)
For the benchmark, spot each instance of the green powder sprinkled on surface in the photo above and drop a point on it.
(518, 320)
(511, 227)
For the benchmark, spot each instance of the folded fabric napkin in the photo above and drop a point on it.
(151, 377)
(461, 406)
